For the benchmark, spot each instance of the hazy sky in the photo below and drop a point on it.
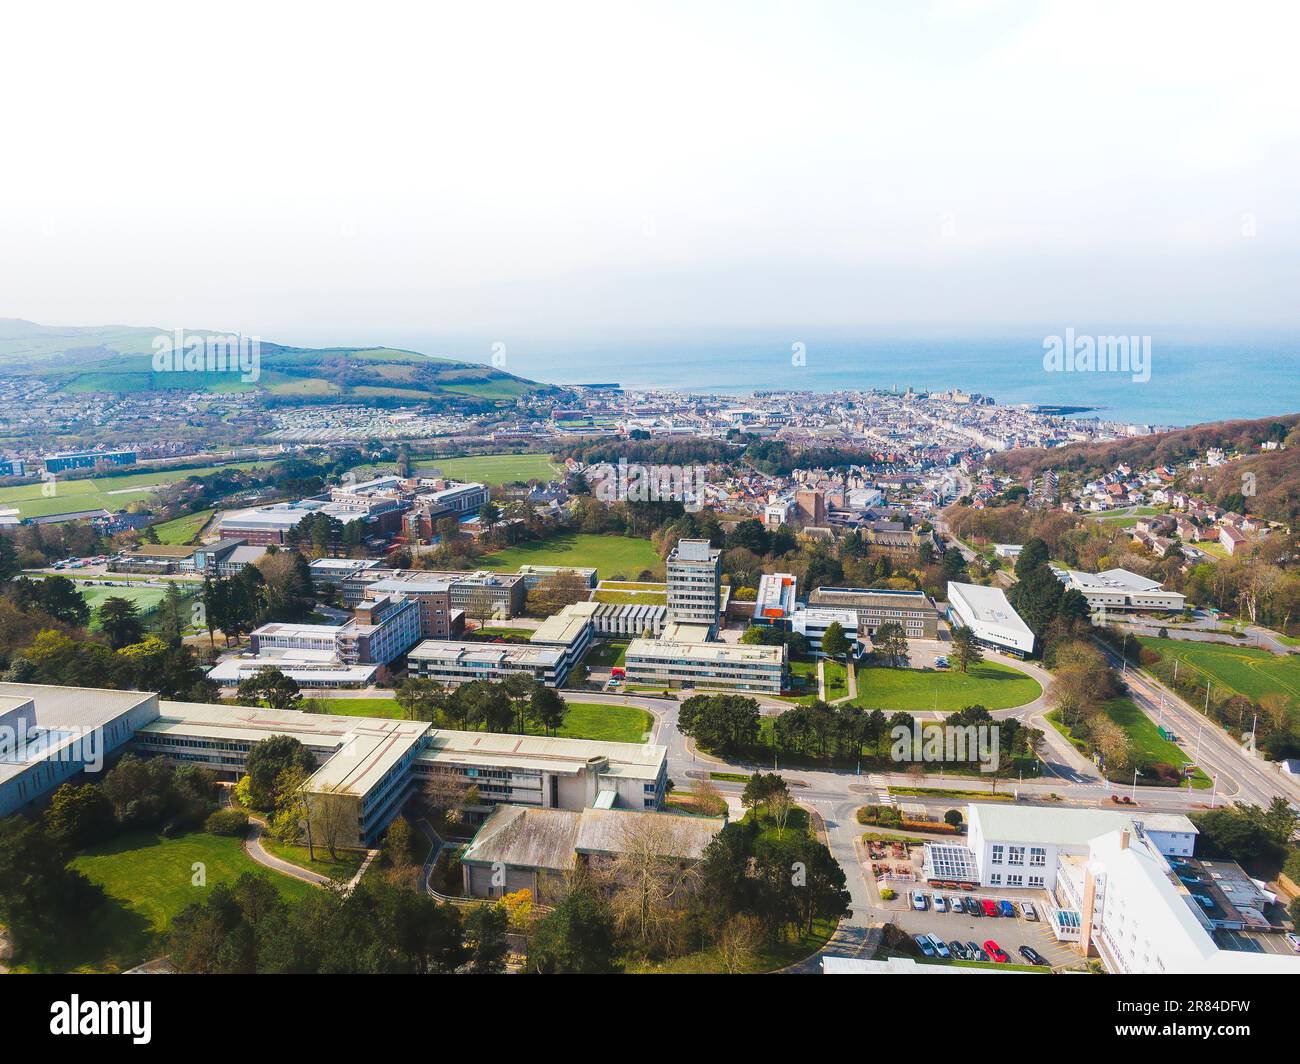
(301, 171)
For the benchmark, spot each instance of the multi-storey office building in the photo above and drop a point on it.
(612, 619)
(479, 592)
(453, 662)
(1118, 590)
(695, 582)
(723, 666)
(876, 606)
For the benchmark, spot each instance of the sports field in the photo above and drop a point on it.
(1244, 670)
(97, 493)
(494, 468)
(988, 684)
(611, 556)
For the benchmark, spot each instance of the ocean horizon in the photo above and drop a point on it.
(1189, 381)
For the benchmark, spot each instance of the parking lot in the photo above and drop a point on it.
(1008, 932)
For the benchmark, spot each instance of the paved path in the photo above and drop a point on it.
(259, 853)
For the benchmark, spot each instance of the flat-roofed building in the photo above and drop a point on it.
(875, 606)
(987, 613)
(533, 575)
(612, 619)
(50, 734)
(695, 582)
(453, 662)
(1121, 590)
(775, 601)
(812, 622)
(334, 571)
(725, 666)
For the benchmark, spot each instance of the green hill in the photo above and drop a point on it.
(120, 358)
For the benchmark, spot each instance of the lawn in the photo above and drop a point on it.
(494, 468)
(606, 655)
(1148, 745)
(182, 530)
(93, 493)
(1243, 670)
(632, 594)
(989, 684)
(146, 599)
(837, 681)
(617, 556)
(148, 880)
(342, 869)
(585, 720)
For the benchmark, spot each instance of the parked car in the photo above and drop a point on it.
(959, 950)
(940, 947)
(1005, 908)
(973, 907)
(919, 901)
(1293, 940)
(954, 905)
(940, 906)
(977, 954)
(1031, 955)
(990, 909)
(995, 952)
(1027, 907)
(923, 944)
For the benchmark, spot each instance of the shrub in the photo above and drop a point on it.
(226, 822)
(887, 894)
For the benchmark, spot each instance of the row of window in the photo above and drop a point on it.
(1015, 855)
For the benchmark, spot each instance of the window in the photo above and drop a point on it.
(1037, 856)
(1017, 855)
(1036, 881)
(1014, 879)
(997, 854)
(995, 880)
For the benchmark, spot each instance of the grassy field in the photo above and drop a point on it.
(606, 655)
(1244, 670)
(837, 682)
(182, 529)
(342, 869)
(93, 493)
(146, 599)
(610, 723)
(613, 556)
(1148, 745)
(148, 880)
(494, 468)
(988, 684)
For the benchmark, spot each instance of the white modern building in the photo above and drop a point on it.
(811, 622)
(719, 666)
(775, 601)
(695, 582)
(987, 613)
(620, 619)
(453, 662)
(1121, 590)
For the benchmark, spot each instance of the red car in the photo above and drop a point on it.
(995, 952)
(990, 907)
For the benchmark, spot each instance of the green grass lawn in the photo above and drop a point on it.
(148, 880)
(92, 493)
(989, 684)
(606, 655)
(495, 468)
(146, 599)
(1244, 670)
(610, 555)
(181, 530)
(837, 680)
(610, 723)
(634, 598)
(341, 869)
(1149, 747)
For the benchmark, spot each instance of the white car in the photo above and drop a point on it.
(1027, 907)
(1293, 940)
(940, 906)
(918, 900)
(954, 906)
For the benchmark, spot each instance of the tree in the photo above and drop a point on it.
(270, 687)
(650, 879)
(485, 935)
(576, 937)
(739, 942)
(43, 901)
(266, 761)
(834, 642)
(890, 642)
(119, 619)
(421, 698)
(1033, 554)
(329, 816)
(720, 722)
(953, 564)
(953, 818)
(966, 648)
(171, 615)
(547, 708)
(78, 816)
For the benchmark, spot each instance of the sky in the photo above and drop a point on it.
(311, 172)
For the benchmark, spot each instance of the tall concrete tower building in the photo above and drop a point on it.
(694, 582)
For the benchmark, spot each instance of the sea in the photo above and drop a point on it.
(1185, 381)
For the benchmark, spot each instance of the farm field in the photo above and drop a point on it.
(1244, 670)
(94, 493)
(988, 684)
(612, 556)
